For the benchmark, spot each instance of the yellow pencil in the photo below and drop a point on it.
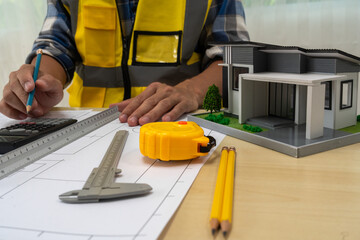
(219, 192)
(226, 215)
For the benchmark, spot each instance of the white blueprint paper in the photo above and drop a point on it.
(30, 207)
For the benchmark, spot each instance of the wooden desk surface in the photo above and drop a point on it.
(277, 196)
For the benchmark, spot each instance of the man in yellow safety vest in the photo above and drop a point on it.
(151, 58)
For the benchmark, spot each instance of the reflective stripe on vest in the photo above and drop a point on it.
(162, 45)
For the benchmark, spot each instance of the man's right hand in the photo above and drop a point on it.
(48, 93)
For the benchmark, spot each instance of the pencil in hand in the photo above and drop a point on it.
(219, 192)
(226, 214)
(35, 75)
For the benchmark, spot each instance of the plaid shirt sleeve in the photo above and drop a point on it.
(56, 40)
(225, 23)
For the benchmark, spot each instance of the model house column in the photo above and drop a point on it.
(245, 100)
(315, 111)
(300, 104)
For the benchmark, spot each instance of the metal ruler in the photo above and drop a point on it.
(31, 152)
(100, 185)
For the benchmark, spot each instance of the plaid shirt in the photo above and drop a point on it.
(225, 22)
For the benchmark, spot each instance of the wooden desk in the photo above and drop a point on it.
(277, 196)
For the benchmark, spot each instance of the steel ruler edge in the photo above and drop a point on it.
(31, 152)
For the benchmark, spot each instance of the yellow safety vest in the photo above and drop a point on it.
(161, 48)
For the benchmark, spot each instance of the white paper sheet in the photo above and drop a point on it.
(30, 207)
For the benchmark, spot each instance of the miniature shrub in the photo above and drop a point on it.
(246, 127)
(358, 118)
(218, 119)
(225, 121)
(211, 117)
(252, 128)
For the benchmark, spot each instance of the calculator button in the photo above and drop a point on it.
(17, 130)
(4, 131)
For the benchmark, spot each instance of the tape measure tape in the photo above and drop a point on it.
(29, 153)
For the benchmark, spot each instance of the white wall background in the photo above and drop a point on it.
(319, 24)
(20, 22)
(304, 23)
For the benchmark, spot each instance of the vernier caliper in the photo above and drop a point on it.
(100, 184)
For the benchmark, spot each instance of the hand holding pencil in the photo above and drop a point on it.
(49, 88)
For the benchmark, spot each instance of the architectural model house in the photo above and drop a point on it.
(303, 96)
(313, 87)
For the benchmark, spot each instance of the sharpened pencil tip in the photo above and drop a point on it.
(28, 108)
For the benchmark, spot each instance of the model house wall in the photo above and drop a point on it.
(344, 117)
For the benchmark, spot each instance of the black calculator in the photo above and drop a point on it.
(16, 135)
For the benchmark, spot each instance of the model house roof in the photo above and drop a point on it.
(305, 79)
(270, 48)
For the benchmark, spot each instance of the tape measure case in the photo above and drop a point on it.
(172, 140)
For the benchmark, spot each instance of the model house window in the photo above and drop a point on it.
(236, 72)
(346, 90)
(328, 95)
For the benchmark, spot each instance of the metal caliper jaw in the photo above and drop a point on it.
(95, 194)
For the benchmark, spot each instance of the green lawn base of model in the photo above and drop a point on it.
(233, 123)
(352, 129)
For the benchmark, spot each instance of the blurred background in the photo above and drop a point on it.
(321, 24)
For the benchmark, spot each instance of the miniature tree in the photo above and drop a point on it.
(212, 99)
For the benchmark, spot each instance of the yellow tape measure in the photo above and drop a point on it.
(174, 140)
